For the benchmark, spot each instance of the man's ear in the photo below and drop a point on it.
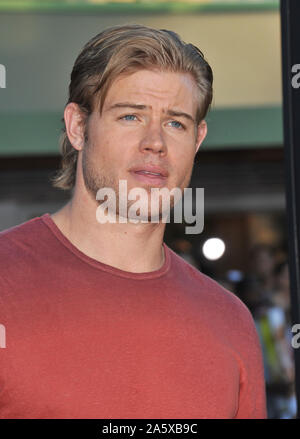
(201, 134)
(74, 122)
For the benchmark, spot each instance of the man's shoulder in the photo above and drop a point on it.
(20, 229)
(21, 238)
(217, 300)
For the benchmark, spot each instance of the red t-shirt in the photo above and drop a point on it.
(87, 340)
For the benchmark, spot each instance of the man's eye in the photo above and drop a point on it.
(176, 124)
(129, 117)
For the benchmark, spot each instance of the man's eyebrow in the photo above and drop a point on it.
(127, 105)
(172, 113)
(180, 114)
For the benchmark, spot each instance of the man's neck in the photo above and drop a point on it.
(135, 248)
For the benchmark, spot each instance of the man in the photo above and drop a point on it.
(103, 320)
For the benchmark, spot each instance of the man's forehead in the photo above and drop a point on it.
(146, 87)
(154, 80)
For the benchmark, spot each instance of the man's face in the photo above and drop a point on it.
(147, 127)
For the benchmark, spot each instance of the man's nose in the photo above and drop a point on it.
(153, 140)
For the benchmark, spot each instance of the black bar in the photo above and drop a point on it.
(290, 39)
(146, 428)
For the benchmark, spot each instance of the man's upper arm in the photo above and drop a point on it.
(252, 396)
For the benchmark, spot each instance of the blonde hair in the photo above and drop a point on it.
(126, 49)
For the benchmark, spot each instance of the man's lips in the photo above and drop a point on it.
(152, 175)
(150, 171)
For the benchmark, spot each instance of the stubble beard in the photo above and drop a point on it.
(95, 179)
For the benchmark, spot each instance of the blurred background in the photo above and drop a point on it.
(240, 165)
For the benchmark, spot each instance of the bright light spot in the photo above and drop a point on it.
(213, 248)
